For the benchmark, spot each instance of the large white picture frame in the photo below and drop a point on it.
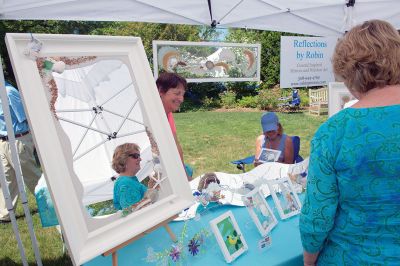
(87, 237)
(338, 96)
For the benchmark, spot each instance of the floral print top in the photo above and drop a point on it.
(351, 211)
(127, 191)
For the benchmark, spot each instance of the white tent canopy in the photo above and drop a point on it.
(313, 17)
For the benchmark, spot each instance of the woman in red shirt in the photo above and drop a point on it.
(172, 88)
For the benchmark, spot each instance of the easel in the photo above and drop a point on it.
(113, 251)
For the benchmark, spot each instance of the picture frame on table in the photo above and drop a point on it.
(339, 97)
(268, 155)
(260, 212)
(84, 96)
(285, 197)
(228, 235)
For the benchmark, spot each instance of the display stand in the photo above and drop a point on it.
(114, 250)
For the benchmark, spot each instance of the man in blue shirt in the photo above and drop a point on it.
(25, 148)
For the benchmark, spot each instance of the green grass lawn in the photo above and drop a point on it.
(210, 140)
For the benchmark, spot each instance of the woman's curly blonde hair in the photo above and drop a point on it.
(368, 57)
(121, 155)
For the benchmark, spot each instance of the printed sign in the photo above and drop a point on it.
(306, 61)
(264, 243)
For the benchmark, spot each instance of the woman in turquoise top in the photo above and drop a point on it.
(351, 212)
(128, 191)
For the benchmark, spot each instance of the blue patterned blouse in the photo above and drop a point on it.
(351, 210)
(127, 191)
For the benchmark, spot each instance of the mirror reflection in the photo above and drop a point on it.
(95, 102)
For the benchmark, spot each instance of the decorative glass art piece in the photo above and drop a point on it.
(208, 61)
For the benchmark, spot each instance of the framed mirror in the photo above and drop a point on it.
(84, 96)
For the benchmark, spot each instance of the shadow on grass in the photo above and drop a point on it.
(64, 260)
(8, 262)
(19, 216)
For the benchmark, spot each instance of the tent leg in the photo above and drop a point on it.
(11, 212)
(17, 167)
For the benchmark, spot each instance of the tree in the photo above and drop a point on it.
(47, 26)
(270, 51)
(153, 31)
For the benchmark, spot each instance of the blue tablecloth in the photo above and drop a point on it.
(286, 246)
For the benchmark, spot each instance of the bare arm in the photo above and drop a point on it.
(289, 151)
(178, 145)
(258, 149)
(310, 259)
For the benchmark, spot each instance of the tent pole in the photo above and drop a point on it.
(213, 22)
(17, 167)
(7, 198)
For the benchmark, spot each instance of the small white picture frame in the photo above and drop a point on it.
(268, 155)
(285, 197)
(229, 237)
(338, 96)
(140, 109)
(260, 211)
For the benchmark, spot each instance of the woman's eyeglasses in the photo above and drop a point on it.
(134, 155)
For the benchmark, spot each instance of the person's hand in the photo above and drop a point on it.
(310, 259)
(257, 162)
(151, 194)
(152, 183)
(143, 203)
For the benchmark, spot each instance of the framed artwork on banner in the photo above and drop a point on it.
(208, 61)
(339, 97)
(260, 211)
(229, 236)
(285, 197)
(84, 96)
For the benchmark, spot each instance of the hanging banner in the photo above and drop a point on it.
(306, 61)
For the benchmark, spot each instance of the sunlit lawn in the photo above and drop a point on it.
(210, 140)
